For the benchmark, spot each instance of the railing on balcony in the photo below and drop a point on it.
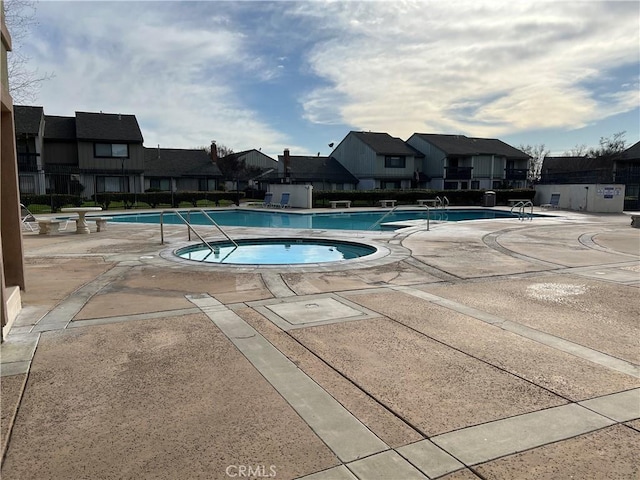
(627, 175)
(458, 173)
(516, 173)
(28, 162)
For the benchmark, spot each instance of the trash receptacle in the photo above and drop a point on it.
(489, 199)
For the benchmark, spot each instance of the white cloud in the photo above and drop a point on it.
(484, 69)
(188, 69)
(172, 70)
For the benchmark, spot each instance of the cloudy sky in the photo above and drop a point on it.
(300, 75)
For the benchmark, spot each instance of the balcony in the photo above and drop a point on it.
(458, 173)
(28, 162)
(516, 173)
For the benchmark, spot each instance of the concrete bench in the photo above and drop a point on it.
(48, 225)
(345, 203)
(427, 202)
(635, 221)
(101, 222)
(387, 203)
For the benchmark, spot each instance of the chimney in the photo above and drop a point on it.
(286, 163)
(214, 152)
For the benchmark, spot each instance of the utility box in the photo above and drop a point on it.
(489, 199)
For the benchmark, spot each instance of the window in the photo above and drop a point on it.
(109, 184)
(390, 185)
(475, 184)
(450, 185)
(464, 185)
(162, 184)
(394, 162)
(206, 184)
(111, 150)
(27, 184)
(497, 184)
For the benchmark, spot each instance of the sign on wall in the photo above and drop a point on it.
(609, 192)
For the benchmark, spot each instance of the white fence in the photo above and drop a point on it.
(300, 195)
(595, 197)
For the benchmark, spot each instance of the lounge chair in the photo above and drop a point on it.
(268, 199)
(28, 220)
(284, 200)
(553, 202)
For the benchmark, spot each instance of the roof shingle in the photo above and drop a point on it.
(175, 162)
(109, 127)
(310, 168)
(461, 145)
(385, 144)
(27, 119)
(59, 128)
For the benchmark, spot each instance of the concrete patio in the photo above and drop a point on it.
(492, 349)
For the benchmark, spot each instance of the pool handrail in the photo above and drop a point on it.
(213, 222)
(382, 218)
(443, 202)
(190, 227)
(521, 205)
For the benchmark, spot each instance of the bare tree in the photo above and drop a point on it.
(609, 146)
(24, 82)
(577, 151)
(537, 154)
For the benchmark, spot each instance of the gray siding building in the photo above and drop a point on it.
(378, 160)
(457, 162)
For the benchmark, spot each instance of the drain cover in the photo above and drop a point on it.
(320, 310)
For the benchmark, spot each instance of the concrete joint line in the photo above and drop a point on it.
(497, 439)
(547, 339)
(17, 352)
(586, 239)
(621, 407)
(130, 318)
(63, 313)
(343, 433)
(276, 285)
(491, 241)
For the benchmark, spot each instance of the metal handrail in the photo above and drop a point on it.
(443, 202)
(190, 227)
(428, 217)
(382, 218)
(215, 224)
(522, 205)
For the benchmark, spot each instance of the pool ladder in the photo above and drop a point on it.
(379, 221)
(522, 213)
(442, 202)
(393, 210)
(190, 228)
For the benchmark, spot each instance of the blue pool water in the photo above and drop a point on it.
(326, 221)
(272, 251)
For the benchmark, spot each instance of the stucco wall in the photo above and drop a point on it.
(596, 198)
(300, 195)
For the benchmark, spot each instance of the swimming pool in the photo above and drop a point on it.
(369, 220)
(276, 251)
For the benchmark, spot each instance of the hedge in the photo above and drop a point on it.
(320, 197)
(154, 199)
(54, 201)
(411, 197)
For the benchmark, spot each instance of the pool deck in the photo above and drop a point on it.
(493, 349)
